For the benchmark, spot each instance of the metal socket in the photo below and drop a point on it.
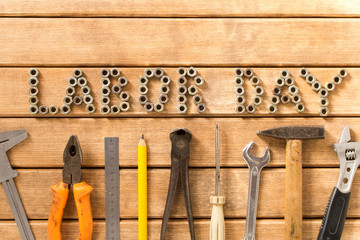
(149, 73)
(279, 82)
(33, 109)
(239, 90)
(289, 81)
(158, 72)
(197, 99)
(296, 98)
(336, 79)
(158, 107)
(34, 91)
(300, 107)
(115, 72)
(182, 80)
(257, 100)
(116, 89)
(191, 72)
(198, 80)
(90, 108)
(181, 71)
(77, 100)
(53, 109)
(330, 86)
(143, 89)
(192, 90)
(310, 79)
(240, 100)
(324, 111)
(33, 82)
(238, 72)
(239, 81)
(149, 107)
(323, 93)
(248, 73)
(65, 109)
(276, 91)
(182, 90)
(343, 73)
(254, 80)
(272, 109)
(143, 99)
(105, 91)
(324, 102)
(115, 109)
(163, 98)
(85, 90)
(33, 100)
(316, 86)
(182, 99)
(240, 108)
(105, 73)
(165, 80)
(43, 110)
(72, 82)
(77, 73)
(201, 107)
(143, 80)
(293, 90)
(275, 100)
(250, 108)
(303, 72)
(181, 108)
(124, 96)
(105, 109)
(165, 89)
(259, 90)
(34, 72)
(88, 99)
(82, 82)
(105, 100)
(284, 73)
(285, 99)
(67, 100)
(123, 82)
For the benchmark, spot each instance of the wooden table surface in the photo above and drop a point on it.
(213, 36)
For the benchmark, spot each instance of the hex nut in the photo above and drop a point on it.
(316, 86)
(239, 81)
(143, 99)
(67, 100)
(201, 107)
(82, 82)
(240, 100)
(143, 80)
(33, 82)
(149, 73)
(77, 73)
(105, 73)
(123, 82)
(116, 89)
(115, 109)
(248, 73)
(192, 90)
(85, 90)
(143, 89)
(34, 72)
(289, 81)
(324, 111)
(181, 71)
(163, 98)
(105, 109)
(275, 100)
(323, 102)
(182, 90)
(336, 79)
(239, 90)
(238, 72)
(254, 80)
(191, 72)
(182, 99)
(115, 72)
(77, 100)
(279, 82)
(198, 80)
(158, 107)
(323, 93)
(43, 110)
(88, 99)
(72, 81)
(276, 91)
(105, 91)
(105, 100)
(303, 72)
(285, 99)
(90, 108)
(158, 72)
(124, 96)
(33, 109)
(250, 108)
(293, 90)
(257, 100)
(33, 91)
(70, 91)
(300, 107)
(165, 80)
(149, 107)
(259, 90)
(240, 108)
(33, 100)
(343, 73)
(272, 109)
(105, 82)
(284, 73)
(165, 89)
(125, 106)
(197, 99)
(65, 109)
(296, 98)
(182, 80)
(53, 109)
(181, 108)
(330, 86)
(310, 79)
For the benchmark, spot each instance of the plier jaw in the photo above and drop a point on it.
(72, 158)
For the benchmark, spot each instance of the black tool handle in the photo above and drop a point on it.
(335, 214)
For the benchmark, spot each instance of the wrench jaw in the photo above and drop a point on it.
(252, 160)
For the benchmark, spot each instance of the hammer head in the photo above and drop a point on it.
(295, 132)
(11, 138)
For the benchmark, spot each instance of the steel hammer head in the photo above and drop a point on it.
(11, 138)
(295, 132)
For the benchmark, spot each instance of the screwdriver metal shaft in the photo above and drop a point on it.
(217, 224)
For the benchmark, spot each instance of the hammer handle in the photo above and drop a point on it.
(293, 190)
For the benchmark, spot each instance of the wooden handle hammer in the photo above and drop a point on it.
(293, 177)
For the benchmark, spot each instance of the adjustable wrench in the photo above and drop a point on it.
(255, 166)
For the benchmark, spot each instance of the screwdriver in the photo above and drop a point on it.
(217, 224)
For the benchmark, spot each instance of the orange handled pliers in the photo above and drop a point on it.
(71, 176)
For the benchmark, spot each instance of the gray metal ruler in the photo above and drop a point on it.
(112, 188)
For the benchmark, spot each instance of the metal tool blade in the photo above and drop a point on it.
(217, 153)
(10, 138)
(345, 135)
(112, 212)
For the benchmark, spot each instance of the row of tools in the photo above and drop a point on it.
(331, 228)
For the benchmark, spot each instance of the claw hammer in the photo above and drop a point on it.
(293, 172)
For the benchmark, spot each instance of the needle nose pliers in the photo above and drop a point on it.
(71, 176)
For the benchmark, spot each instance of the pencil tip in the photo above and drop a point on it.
(142, 136)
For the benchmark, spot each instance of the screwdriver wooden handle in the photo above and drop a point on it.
(61, 193)
(82, 200)
(217, 224)
(293, 190)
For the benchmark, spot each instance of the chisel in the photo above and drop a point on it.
(217, 224)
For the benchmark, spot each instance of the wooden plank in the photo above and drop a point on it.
(37, 198)
(178, 230)
(173, 42)
(48, 137)
(199, 8)
(218, 92)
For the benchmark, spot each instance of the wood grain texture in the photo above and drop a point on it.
(187, 8)
(218, 92)
(37, 198)
(174, 42)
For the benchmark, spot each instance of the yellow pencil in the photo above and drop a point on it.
(142, 188)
